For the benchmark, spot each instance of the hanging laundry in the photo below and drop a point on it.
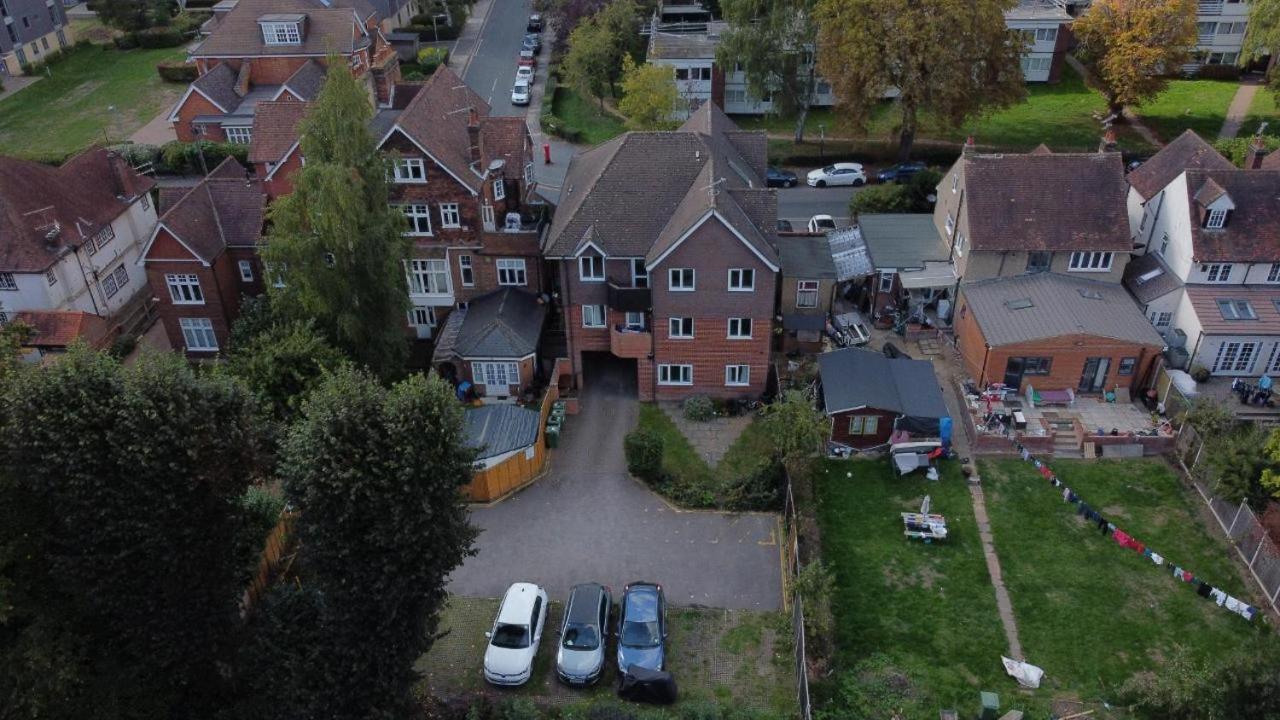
(1239, 607)
(1026, 454)
(1146, 553)
(1177, 571)
(1187, 576)
(1044, 470)
(1218, 596)
(1121, 537)
(1067, 494)
(1156, 558)
(1038, 464)
(1137, 547)
(1203, 589)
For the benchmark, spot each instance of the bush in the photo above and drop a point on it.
(160, 37)
(644, 449)
(1218, 72)
(122, 346)
(1200, 373)
(555, 126)
(178, 72)
(881, 199)
(760, 490)
(431, 58)
(699, 408)
(182, 158)
(1235, 149)
(126, 41)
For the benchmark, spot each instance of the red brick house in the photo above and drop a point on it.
(273, 50)
(203, 258)
(275, 151)
(869, 396)
(464, 180)
(665, 248)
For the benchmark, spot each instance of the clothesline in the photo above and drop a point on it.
(1125, 540)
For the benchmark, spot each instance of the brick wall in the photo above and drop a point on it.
(195, 106)
(167, 256)
(281, 183)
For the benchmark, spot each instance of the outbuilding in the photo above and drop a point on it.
(869, 396)
(509, 449)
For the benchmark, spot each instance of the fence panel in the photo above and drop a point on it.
(791, 541)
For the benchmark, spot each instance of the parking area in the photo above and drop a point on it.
(588, 520)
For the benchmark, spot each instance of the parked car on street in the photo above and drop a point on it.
(524, 72)
(580, 657)
(513, 642)
(774, 177)
(520, 92)
(533, 40)
(535, 23)
(527, 58)
(900, 173)
(785, 225)
(642, 627)
(845, 173)
(821, 223)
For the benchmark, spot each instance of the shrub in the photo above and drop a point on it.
(177, 72)
(126, 41)
(183, 158)
(881, 199)
(760, 490)
(1218, 72)
(699, 408)
(431, 58)
(122, 346)
(1235, 149)
(411, 73)
(1200, 373)
(519, 709)
(160, 37)
(644, 449)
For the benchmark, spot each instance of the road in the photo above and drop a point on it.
(800, 203)
(491, 67)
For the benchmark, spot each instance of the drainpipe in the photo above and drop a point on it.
(1195, 350)
(564, 314)
(986, 357)
(88, 286)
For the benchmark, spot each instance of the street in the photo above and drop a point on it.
(802, 202)
(490, 69)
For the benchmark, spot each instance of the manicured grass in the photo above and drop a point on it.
(695, 483)
(1089, 612)
(1262, 109)
(1199, 105)
(930, 608)
(583, 114)
(67, 111)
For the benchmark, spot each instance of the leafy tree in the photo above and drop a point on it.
(913, 197)
(566, 15)
(1262, 35)
(1269, 482)
(1242, 461)
(773, 41)
(951, 58)
(130, 15)
(118, 512)
(648, 96)
(281, 366)
(336, 241)
(597, 46)
(1129, 46)
(1245, 684)
(797, 428)
(376, 475)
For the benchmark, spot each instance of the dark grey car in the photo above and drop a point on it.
(580, 656)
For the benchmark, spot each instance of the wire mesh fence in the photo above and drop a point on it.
(791, 538)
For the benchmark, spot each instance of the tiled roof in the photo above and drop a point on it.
(636, 195)
(1041, 306)
(1262, 298)
(60, 328)
(506, 139)
(225, 210)
(1252, 232)
(306, 81)
(1055, 202)
(1187, 152)
(505, 323)
(1271, 161)
(327, 28)
(437, 118)
(275, 130)
(78, 199)
(1148, 278)
(219, 86)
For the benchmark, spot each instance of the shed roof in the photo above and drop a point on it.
(1147, 277)
(60, 328)
(855, 378)
(1040, 306)
(806, 257)
(500, 428)
(902, 240)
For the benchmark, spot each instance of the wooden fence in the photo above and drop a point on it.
(520, 469)
(277, 554)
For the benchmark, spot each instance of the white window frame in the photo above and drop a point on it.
(1273, 273)
(807, 293)
(409, 170)
(961, 241)
(587, 267)
(529, 176)
(466, 272)
(246, 270)
(281, 33)
(238, 135)
(886, 281)
(675, 374)
(1217, 219)
(736, 326)
(51, 277)
(450, 215)
(114, 280)
(198, 334)
(634, 320)
(737, 375)
(1216, 272)
(184, 289)
(639, 273)
(675, 328)
(738, 284)
(1234, 309)
(428, 276)
(486, 216)
(864, 424)
(495, 373)
(1091, 261)
(499, 189)
(950, 225)
(1162, 319)
(674, 273)
(511, 271)
(414, 212)
(593, 316)
(422, 312)
(1235, 357)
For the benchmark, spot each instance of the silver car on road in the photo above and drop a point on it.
(580, 657)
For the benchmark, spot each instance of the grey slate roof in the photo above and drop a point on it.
(219, 85)
(505, 323)
(849, 253)
(306, 81)
(500, 428)
(806, 257)
(1059, 305)
(902, 240)
(1148, 278)
(854, 378)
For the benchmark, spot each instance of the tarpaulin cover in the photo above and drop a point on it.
(650, 686)
(1026, 674)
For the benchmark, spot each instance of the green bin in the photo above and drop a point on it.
(553, 435)
(990, 706)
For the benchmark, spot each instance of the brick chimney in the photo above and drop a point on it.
(242, 79)
(970, 146)
(1256, 152)
(1108, 142)
(473, 132)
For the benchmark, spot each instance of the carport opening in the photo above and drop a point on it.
(605, 372)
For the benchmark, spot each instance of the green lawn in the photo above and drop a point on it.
(1199, 105)
(582, 114)
(693, 482)
(64, 113)
(1089, 612)
(930, 608)
(1263, 108)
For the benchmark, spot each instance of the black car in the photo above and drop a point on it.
(900, 173)
(774, 177)
(535, 23)
(785, 226)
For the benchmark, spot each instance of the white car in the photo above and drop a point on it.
(821, 223)
(838, 174)
(524, 72)
(513, 642)
(520, 93)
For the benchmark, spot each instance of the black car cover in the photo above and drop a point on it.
(649, 686)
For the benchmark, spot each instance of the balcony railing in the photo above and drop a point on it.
(630, 343)
(1210, 7)
(628, 299)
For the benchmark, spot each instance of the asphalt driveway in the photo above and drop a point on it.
(587, 520)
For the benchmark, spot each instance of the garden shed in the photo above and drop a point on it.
(510, 449)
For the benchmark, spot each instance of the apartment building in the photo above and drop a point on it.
(32, 28)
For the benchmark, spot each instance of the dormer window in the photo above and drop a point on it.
(281, 29)
(1217, 219)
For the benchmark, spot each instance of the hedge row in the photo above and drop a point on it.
(182, 158)
(151, 38)
(178, 72)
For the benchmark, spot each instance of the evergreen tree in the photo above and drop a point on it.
(335, 241)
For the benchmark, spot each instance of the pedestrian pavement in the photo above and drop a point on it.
(157, 131)
(13, 85)
(711, 439)
(1238, 109)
